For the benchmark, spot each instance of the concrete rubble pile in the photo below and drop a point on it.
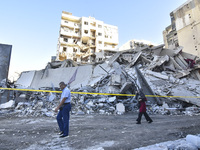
(36, 104)
(191, 142)
(156, 70)
(166, 73)
(31, 104)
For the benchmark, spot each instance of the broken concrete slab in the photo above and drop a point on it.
(120, 108)
(145, 87)
(125, 87)
(7, 105)
(182, 73)
(176, 65)
(115, 79)
(170, 52)
(111, 99)
(157, 74)
(26, 78)
(135, 58)
(180, 62)
(195, 140)
(114, 58)
(160, 62)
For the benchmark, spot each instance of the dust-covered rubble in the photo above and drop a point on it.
(165, 75)
(191, 142)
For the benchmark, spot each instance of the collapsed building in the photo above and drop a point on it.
(169, 79)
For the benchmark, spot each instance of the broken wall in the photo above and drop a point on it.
(87, 74)
(5, 53)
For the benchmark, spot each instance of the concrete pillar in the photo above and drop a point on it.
(5, 53)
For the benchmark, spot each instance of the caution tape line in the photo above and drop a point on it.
(48, 91)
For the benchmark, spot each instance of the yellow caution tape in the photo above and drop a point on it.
(13, 89)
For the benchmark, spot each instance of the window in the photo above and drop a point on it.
(74, 50)
(75, 41)
(85, 23)
(66, 21)
(99, 26)
(106, 36)
(86, 31)
(66, 39)
(64, 49)
(84, 42)
(99, 34)
(100, 42)
(76, 30)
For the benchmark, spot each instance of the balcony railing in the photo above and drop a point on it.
(70, 24)
(70, 33)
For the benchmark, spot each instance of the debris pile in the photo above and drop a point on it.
(191, 142)
(155, 70)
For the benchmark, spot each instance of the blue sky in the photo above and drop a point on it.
(32, 27)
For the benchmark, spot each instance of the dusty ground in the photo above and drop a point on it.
(93, 132)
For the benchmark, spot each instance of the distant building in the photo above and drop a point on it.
(185, 28)
(132, 44)
(84, 39)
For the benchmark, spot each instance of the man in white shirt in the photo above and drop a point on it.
(64, 107)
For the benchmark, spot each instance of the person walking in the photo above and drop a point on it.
(142, 107)
(64, 108)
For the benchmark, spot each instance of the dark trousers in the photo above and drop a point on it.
(145, 115)
(63, 119)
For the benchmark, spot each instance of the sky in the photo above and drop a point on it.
(32, 26)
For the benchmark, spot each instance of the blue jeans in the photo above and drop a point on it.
(63, 119)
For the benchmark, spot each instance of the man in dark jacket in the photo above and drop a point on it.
(142, 107)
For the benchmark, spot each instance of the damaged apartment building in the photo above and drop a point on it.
(84, 39)
(185, 28)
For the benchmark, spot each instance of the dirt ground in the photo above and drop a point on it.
(93, 132)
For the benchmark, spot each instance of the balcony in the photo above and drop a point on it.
(111, 40)
(70, 42)
(69, 33)
(110, 47)
(69, 24)
(70, 17)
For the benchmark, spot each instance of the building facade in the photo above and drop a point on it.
(185, 28)
(84, 39)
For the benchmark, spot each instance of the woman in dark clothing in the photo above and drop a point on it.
(142, 106)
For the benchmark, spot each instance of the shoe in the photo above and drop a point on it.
(62, 136)
(60, 133)
(138, 122)
(150, 121)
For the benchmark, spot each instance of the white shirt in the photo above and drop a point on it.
(66, 93)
